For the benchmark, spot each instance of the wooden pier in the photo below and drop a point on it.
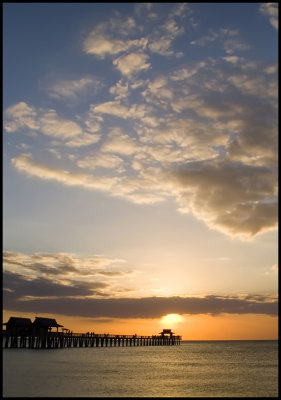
(21, 333)
(59, 340)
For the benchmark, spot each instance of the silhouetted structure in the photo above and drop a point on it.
(42, 326)
(167, 332)
(22, 333)
(18, 326)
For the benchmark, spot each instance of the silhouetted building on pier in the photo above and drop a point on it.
(42, 326)
(23, 326)
(166, 332)
(18, 326)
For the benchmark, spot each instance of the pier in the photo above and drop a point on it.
(22, 333)
(59, 341)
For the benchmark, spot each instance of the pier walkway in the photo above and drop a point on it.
(59, 340)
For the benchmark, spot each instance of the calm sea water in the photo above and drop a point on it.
(193, 369)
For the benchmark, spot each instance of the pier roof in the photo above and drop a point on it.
(46, 322)
(18, 322)
(169, 331)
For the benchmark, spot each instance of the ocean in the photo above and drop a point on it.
(193, 369)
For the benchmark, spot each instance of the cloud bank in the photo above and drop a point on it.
(94, 286)
(69, 303)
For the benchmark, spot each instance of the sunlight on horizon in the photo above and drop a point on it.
(172, 319)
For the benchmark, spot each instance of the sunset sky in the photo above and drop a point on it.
(140, 167)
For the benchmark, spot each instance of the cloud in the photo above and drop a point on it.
(158, 91)
(62, 274)
(204, 134)
(148, 307)
(27, 164)
(173, 29)
(271, 10)
(131, 64)
(161, 46)
(114, 108)
(228, 39)
(120, 90)
(57, 127)
(72, 89)
(161, 39)
(229, 197)
(50, 124)
(101, 43)
(42, 287)
(135, 190)
(60, 263)
(117, 109)
(19, 116)
(71, 285)
(120, 143)
(121, 25)
(101, 161)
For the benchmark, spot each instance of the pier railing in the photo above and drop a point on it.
(56, 340)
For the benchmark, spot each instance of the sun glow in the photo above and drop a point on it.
(172, 319)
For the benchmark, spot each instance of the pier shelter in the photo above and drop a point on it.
(167, 333)
(18, 326)
(43, 326)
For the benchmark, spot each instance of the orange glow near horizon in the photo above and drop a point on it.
(195, 327)
(172, 320)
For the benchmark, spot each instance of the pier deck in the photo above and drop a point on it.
(60, 340)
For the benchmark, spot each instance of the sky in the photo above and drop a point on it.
(140, 167)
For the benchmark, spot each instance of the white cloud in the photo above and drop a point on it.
(228, 38)
(186, 73)
(101, 44)
(120, 90)
(100, 160)
(115, 108)
(84, 139)
(161, 46)
(271, 10)
(49, 123)
(71, 89)
(19, 116)
(122, 25)
(131, 64)
(159, 88)
(270, 69)
(53, 125)
(137, 190)
(118, 142)
(112, 108)
(173, 29)
(27, 164)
